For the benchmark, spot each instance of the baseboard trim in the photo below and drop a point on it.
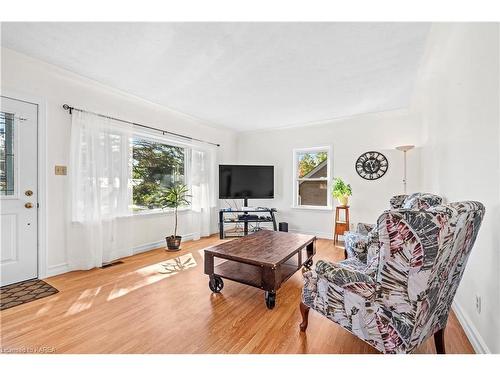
(56, 269)
(148, 246)
(325, 235)
(161, 243)
(470, 330)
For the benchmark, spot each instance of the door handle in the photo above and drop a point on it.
(28, 193)
(28, 205)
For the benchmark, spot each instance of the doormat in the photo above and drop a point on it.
(23, 292)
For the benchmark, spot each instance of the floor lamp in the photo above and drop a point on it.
(405, 149)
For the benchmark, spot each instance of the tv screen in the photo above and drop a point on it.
(246, 181)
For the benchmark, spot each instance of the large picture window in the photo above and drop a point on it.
(155, 167)
(311, 177)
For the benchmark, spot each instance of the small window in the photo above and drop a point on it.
(311, 177)
(155, 167)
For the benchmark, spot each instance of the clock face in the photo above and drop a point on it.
(372, 165)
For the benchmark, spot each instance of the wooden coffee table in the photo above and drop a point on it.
(264, 260)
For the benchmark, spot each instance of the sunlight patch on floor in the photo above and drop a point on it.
(47, 306)
(156, 272)
(84, 301)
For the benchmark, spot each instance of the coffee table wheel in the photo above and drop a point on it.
(309, 263)
(215, 284)
(270, 300)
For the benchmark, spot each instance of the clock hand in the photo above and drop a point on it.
(371, 165)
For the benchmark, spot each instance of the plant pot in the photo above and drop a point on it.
(343, 200)
(173, 243)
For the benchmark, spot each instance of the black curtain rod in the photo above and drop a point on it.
(71, 109)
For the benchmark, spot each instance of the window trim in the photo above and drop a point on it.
(187, 175)
(295, 181)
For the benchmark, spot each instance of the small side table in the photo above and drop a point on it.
(341, 226)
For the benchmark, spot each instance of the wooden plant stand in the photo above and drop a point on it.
(341, 226)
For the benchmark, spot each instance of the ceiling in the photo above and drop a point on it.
(244, 76)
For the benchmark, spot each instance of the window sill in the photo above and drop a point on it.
(157, 211)
(146, 214)
(313, 208)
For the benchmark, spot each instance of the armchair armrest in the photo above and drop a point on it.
(347, 277)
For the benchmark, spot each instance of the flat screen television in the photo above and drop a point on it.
(246, 182)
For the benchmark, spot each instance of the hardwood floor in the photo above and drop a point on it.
(141, 306)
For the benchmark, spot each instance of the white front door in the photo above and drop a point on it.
(18, 191)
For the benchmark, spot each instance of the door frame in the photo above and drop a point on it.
(41, 172)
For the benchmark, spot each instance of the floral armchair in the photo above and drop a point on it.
(403, 295)
(358, 243)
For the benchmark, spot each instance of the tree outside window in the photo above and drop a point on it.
(155, 167)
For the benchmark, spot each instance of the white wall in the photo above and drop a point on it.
(349, 138)
(458, 99)
(55, 87)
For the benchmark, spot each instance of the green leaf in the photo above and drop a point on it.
(340, 188)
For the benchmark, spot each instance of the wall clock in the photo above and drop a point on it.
(372, 165)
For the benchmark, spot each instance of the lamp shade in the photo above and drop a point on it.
(405, 147)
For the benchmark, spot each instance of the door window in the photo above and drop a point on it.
(7, 154)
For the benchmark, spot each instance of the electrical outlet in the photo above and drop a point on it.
(478, 304)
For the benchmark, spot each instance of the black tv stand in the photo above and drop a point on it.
(245, 222)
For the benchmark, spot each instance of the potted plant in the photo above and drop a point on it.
(174, 197)
(341, 191)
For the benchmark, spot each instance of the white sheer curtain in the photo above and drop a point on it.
(203, 186)
(99, 190)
